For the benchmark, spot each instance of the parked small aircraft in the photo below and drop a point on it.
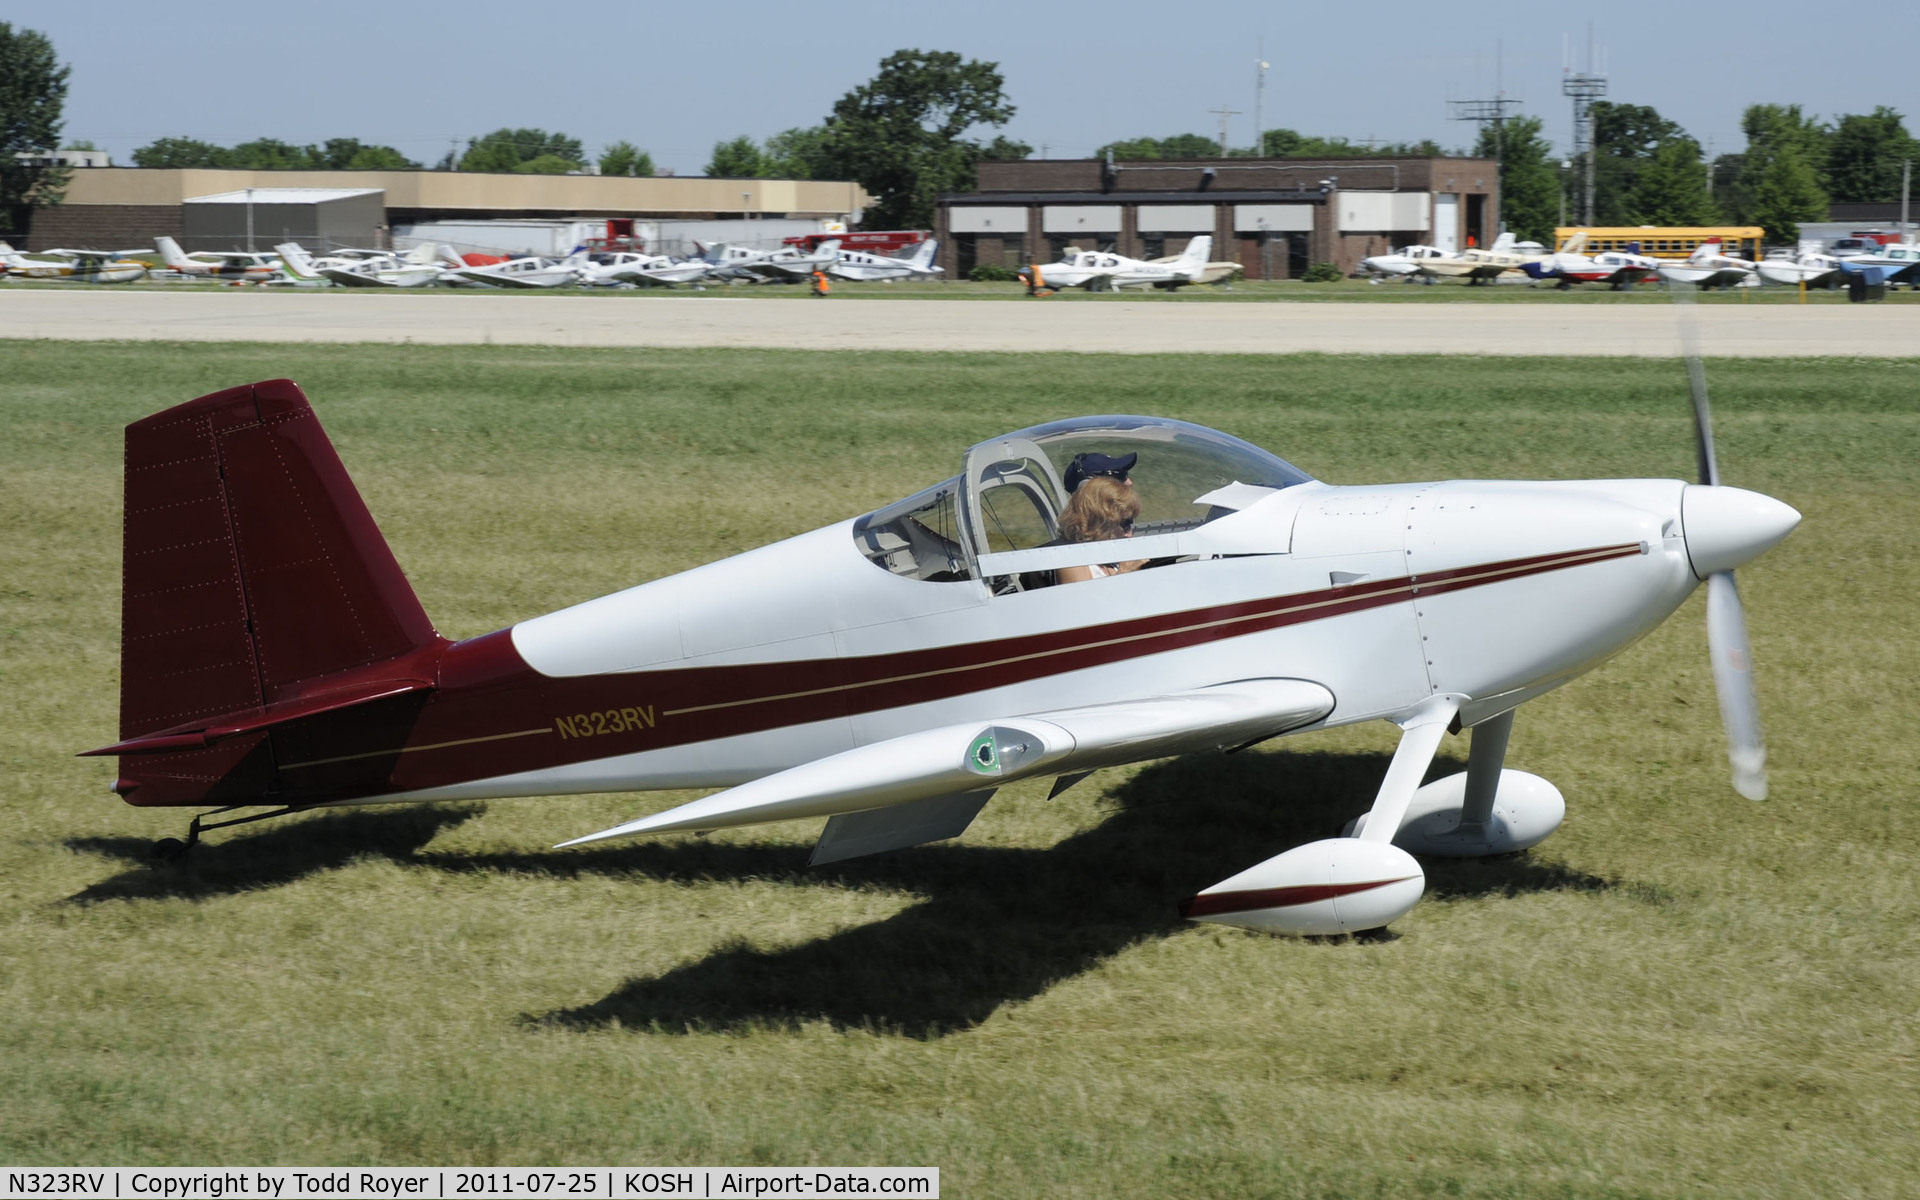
(1100, 269)
(70, 266)
(659, 270)
(1814, 270)
(1709, 268)
(418, 268)
(1403, 263)
(861, 266)
(891, 671)
(1571, 264)
(789, 264)
(233, 265)
(1899, 263)
(1482, 266)
(531, 272)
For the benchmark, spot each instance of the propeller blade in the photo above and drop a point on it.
(1733, 680)
(1705, 460)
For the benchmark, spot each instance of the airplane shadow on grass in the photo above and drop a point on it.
(1000, 924)
(270, 857)
(996, 924)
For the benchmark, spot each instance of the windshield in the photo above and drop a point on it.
(1178, 464)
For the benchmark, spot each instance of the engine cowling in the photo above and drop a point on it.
(1339, 885)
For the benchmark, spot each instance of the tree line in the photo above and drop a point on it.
(1648, 171)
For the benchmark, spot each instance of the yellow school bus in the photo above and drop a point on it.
(1741, 241)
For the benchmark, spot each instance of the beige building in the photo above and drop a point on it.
(119, 207)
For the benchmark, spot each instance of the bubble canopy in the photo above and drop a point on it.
(1013, 490)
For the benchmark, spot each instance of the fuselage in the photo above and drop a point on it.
(1385, 595)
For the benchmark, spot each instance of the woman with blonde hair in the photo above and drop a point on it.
(1103, 509)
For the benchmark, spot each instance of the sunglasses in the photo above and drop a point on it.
(1127, 524)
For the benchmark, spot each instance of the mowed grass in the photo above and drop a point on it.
(1679, 993)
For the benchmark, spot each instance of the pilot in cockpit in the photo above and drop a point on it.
(1103, 508)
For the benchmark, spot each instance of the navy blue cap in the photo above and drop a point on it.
(1086, 466)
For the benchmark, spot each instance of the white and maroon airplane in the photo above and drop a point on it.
(891, 671)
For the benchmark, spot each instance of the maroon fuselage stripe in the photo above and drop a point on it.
(1213, 904)
(488, 715)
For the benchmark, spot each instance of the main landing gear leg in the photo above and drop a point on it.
(1485, 759)
(1485, 810)
(1419, 741)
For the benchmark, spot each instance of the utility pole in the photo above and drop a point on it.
(1490, 112)
(1223, 112)
(1583, 88)
(1906, 188)
(1260, 65)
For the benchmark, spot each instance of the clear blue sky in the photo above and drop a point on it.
(418, 74)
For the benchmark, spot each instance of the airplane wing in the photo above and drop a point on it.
(956, 763)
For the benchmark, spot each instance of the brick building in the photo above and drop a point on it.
(1273, 216)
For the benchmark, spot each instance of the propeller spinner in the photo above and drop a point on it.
(1724, 528)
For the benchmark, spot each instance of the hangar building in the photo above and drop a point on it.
(111, 208)
(1273, 216)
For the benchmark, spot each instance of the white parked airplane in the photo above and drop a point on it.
(1792, 270)
(529, 272)
(241, 266)
(1899, 263)
(1403, 263)
(1571, 264)
(70, 266)
(860, 266)
(1101, 269)
(1484, 265)
(1709, 268)
(659, 270)
(891, 671)
(789, 264)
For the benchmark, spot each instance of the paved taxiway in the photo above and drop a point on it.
(1114, 326)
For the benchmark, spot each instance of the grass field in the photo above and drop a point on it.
(1679, 993)
(1345, 291)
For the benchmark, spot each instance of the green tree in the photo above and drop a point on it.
(799, 153)
(380, 158)
(506, 149)
(1288, 143)
(181, 152)
(1625, 139)
(736, 159)
(1529, 187)
(352, 154)
(901, 135)
(1864, 155)
(1780, 172)
(1180, 145)
(1004, 149)
(625, 158)
(272, 154)
(33, 91)
(1671, 188)
(547, 164)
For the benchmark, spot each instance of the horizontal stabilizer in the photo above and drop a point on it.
(959, 758)
(852, 835)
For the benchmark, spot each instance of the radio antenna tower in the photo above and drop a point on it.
(1490, 112)
(1584, 87)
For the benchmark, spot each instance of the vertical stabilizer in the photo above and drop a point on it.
(252, 571)
(173, 255)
